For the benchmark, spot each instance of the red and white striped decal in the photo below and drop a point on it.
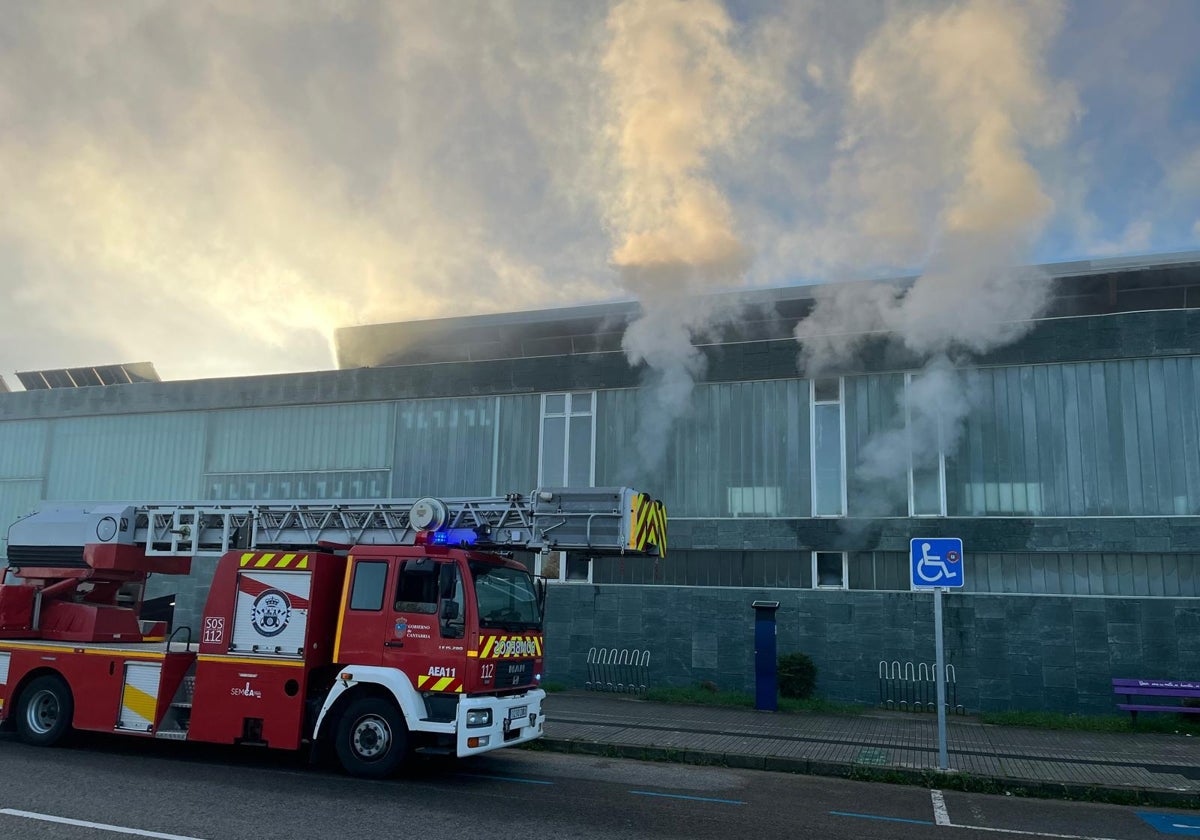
(253, 586)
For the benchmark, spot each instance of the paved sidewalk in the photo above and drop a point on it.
(1159, 767)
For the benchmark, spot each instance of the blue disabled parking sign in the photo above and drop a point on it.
(937, 561)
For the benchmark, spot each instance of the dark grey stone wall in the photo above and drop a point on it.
(1009, 652)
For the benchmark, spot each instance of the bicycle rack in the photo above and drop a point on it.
(912, 687)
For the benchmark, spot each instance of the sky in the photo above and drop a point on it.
(216, 186)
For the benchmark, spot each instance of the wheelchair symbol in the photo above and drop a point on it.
(937, 563)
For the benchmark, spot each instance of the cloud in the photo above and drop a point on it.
(218, 187)
(1134, 239)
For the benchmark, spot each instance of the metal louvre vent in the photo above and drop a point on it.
(48, 556)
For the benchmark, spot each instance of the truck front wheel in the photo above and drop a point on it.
(45, 710)
(371, 738)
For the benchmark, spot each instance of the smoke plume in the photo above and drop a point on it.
(679, 94)
(935, 170)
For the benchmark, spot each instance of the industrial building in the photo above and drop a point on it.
(1075, 484)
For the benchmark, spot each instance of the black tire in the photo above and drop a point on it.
(371, 738)
(45, 711)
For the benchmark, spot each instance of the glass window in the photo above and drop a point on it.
(828, 483)
(567, 435)
(506, 597)
(926, 491)
(579, 568)
(827, 390)
(829, 569)
(366, 592)
(563, 567)
(417, 587)
(926, 455)
(452, 615)
(553, 451)
(579, 453)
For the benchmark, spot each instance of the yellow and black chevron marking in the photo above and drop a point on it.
(507, 647)
(649, 524)
(447, 684)
(254, 560)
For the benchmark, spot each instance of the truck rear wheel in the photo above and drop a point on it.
(45, 711)
(371, 738)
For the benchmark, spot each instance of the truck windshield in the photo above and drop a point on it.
(506, 598)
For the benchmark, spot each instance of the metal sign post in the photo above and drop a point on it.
(940, 676)
(937, 563)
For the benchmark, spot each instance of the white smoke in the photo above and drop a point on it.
(679, 95)
(935, 170)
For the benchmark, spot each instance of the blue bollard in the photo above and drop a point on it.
(766, 680)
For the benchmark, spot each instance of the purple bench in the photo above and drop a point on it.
(1157, 688)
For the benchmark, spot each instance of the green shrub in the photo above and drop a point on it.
(797, 675)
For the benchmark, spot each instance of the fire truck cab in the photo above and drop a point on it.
(423, 634)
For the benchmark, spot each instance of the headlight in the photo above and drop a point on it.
(479, 717)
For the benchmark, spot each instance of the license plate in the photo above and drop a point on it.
(517, 712)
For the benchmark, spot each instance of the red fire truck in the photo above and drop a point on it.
(373, 628)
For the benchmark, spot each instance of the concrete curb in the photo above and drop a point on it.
(1041, 789)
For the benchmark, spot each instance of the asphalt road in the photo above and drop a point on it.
(162, 789)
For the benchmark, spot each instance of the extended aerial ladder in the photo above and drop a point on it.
(108, 549)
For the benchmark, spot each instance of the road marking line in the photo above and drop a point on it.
(971, 827)
(1029, 833)
(876, 817)
(504, 778)
(681, 796)
(30, 815)
(940, 815)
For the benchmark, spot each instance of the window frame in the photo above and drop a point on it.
(845, 585)
(358, 564)
(840, 402)
(912, 484)
(569, 413)
(539, 569)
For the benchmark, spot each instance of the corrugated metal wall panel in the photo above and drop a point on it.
(295, 438)
(444, 447)
(17, 498)
(874, 419)
(23, 448)
(616, 431)
(741, 451)
(1049, 573)
(136, 457)
(517, 447)
(1091, 439)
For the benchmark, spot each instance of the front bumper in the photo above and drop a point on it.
(505, 729)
